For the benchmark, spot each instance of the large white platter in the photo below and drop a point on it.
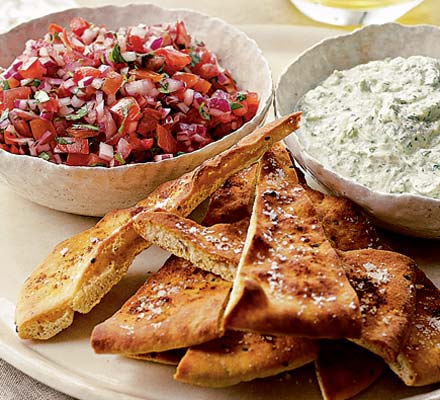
(67, 363)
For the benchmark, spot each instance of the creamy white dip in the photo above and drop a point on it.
(378, 124)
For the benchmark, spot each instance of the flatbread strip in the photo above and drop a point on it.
(344, 370)
(179, 306)
(243, 356)
(169, 357)
(384, 283)
(216, 248)
(290, 280)
(80, 271)
(418, 363)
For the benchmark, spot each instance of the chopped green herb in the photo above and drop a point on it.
(61, 140)
(98, 164)
(436, 167)
(5, 85)
(81, 112)
(70, 74)
(164, 88)
(35, 82)
(41, 96)
(85, 126)
(235, 106)
(5, 115)
(203, 113)
(44, 156)
(195, 59)
(115, 55)
(241, 96)
(179, 153)
(56, 35)
(119, 159)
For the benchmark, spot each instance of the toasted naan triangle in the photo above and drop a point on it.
(92, 262)
(216, 248)
(344, 223)
(384, 282)
(345, 369)
(243, 356)
(290, 279)
(179, 306)
(418, 363)
(169, 357)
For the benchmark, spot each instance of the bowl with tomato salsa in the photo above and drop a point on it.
(98, 106)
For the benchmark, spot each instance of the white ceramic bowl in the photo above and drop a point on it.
(405, 213)
(96, 190)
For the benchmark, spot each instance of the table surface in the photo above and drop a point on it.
(238, 12)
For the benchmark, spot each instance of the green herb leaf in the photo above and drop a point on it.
(119, 159)
(85, 126)
(81, 112)
(115, 55)
(5, 85)
(195, 59)
(240, 96)
(61, 140)
(235, 106)
(179, 153)
(41, 96)
(44, 156)
(203, 113)
(436, 167)
(35, 82)
(164, 88)
(5, 115)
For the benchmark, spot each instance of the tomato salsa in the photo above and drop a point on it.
(90, 96)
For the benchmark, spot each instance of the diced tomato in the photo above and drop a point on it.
(32, 69)
(146, 74)
(21, 127)
(10, 95)
(77, 159)
(112, 83)
(182, 37)
(40, 126)
(239, 112)
(126, 109)
(50, 106)
(54, 28)
(135, 43)
(78, 25)
(202, 86)
(188, 78)
(9, 137)
(165, 140)
(173, 58)
(252, 104)
(73, 146)
(82, 132)
(13, 83)
(208, 71)
(83, 72)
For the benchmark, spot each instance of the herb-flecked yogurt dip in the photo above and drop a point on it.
(378, 124)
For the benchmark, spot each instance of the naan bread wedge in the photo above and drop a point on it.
(179, 306)
(418, 362)
(169, 357)
(344, 369)
(385, 284)
(216, 248)
(82, 269)
(243, 356)
(233, 200)
(290, 280)
(344, 223)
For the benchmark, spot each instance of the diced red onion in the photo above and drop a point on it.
(64, 110)
(65, 101)
(218, 105)
(42, 147)
(188, 97)
(21, 104)
(124, 71)
(86, 81)
(57, 159)
(45, 137)
(105, 151)
(154, 43)
(43, 52)
(141, 87)
(77, 102)
(17, 75)
(124, 148)
(160, 157)
(97, 83)
(54, 81)
(104, 69)
(129, 56)
(89, 35)
(69, 83)
(173, 85)
(183, 107)
(76, 42)
(223, 79)
(137, 31)
(47, 62)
